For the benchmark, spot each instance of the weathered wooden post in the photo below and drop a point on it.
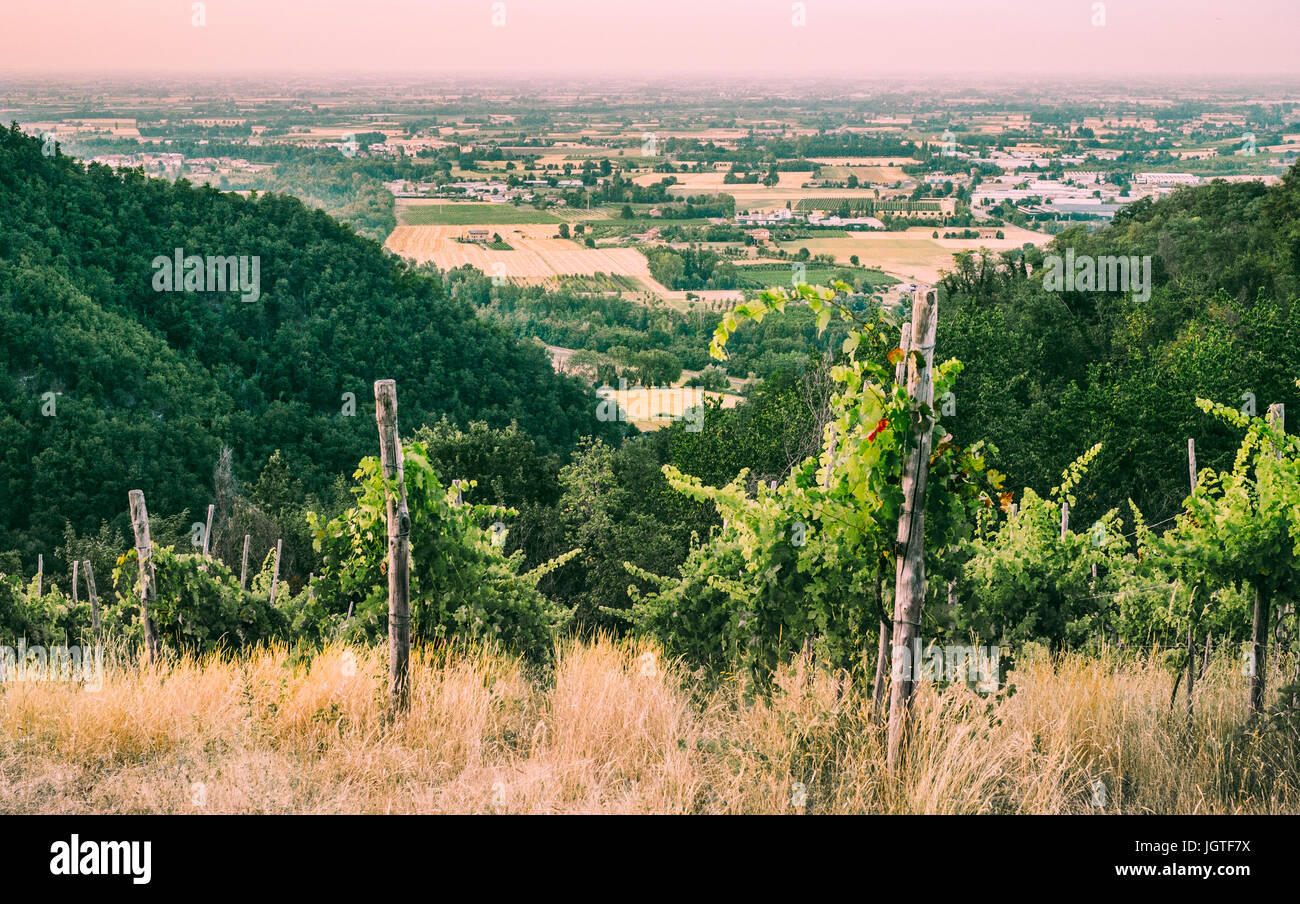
(243, 568)
(886, 629)
(909, 585)
(76, 564)
(1065, 518)
(144, 551)
(207, 531)
(1191, 603)
(40, 576)
(94, 597)
(275, 570)
(399, 545)
(1260, 616)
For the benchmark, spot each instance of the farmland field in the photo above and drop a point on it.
(458, 213)
(538, 254)
(755, 196)
(914, 253)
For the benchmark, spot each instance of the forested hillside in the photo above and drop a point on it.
(1048, 374)
(148, 386)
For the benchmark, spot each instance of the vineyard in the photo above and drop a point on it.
(359, 547)
(739, 679)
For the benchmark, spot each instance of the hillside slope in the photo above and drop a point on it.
(149, 385)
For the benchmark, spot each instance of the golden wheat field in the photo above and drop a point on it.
(613, 727)
(537, 253)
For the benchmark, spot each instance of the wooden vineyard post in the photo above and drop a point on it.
(886, 630)
(1065, 518)
(275, 570)
(1260, 616)
(144, 550)
(1191, 612)
(909, 584)
(243, 568)
(399, 546)
(76, 564)
(94, 597)
(207, 531)
(40, 576)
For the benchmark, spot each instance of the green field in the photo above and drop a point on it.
(455, 213)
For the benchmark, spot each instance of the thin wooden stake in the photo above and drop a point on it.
(909, 584)
(399, 545)
(207, 531)
(94, 597)
(1065, 518)
(40, 576)
(1191, 461)
(275, 570)
(75, 566)
(883, 648)
(144, 550)
(1260, 614)
(243, 568)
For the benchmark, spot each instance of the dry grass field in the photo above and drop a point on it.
(653, 408)
(614, 728)
(537, 254)
(913, 254)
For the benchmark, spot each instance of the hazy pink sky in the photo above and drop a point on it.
(854, 37)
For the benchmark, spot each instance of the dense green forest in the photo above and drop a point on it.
(1048, 374)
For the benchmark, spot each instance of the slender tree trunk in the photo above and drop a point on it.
(909, 586)
(399, 546)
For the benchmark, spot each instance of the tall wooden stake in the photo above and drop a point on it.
(207, 531)
(399, 546)
(1191, 604)
(76, 564)
(886, 629)
(275, 570)
(1260, 615)
(909, 584)
(243, 568)
(94, 597)
(144, 550)
(40, 576)
(1065, 518)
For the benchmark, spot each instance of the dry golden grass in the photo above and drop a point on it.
(614, 728)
